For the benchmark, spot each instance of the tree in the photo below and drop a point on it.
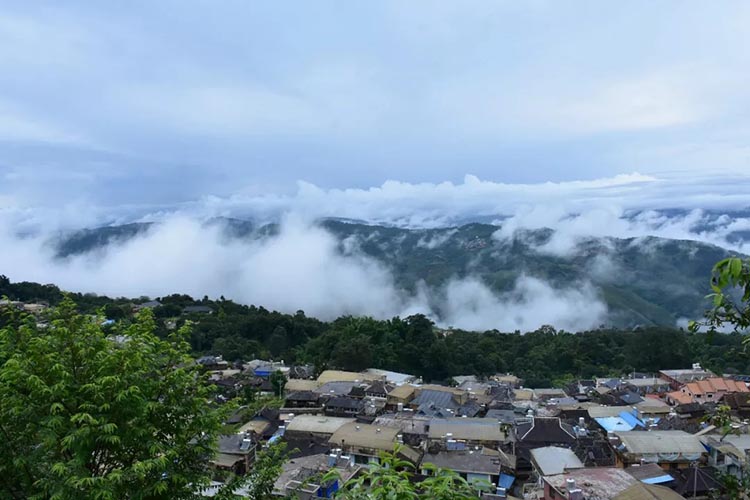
(730, 283)
(278, 381)
(392, 479)
(87, 416)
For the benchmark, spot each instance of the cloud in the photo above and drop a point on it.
(470, 304)
(299, 268)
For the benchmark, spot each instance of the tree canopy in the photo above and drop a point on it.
(89, 415)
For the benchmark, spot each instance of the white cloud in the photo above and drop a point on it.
(300, 268)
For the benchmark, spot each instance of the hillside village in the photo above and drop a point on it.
(676, 433)
(642, 436)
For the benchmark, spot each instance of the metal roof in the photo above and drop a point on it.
(470, 429)
(551, 460)
(316, 424)
(661, 442)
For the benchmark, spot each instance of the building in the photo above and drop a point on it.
(465, 432)
(482, 467)
(708, 390)
(300, 478)
(236, 453)
(365, 443)
(552, 460)
(669, 449)
(343, 407)
(678, 378)
(314, 426)
(590, 483)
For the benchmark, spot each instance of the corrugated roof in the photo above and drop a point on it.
(469, 429)
(365, 436)
(661, 442)
(301, 385)
(551, 460)
(640, 491)
(316, 424)
(342, 376)
(402, 392)
(440, 399)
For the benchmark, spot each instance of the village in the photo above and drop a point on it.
(678, 433)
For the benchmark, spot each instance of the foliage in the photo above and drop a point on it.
(84, 415)
(393, 479)
(258, 483)
(730, 283)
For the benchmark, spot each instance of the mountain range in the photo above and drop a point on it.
(643, 281)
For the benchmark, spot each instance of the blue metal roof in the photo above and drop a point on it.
(658, 480)
(632, 420)
(506, 481)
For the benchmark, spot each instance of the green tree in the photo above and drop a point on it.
(87, 416)
(278, 381)
(730, 283)
(392, 479)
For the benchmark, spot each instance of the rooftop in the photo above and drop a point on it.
(317, 424)
(365, 436)
(469, 429)
(597, 483)
(469, 461)
(551, 460)
(679, 443)
(392, 377)
(342, 376)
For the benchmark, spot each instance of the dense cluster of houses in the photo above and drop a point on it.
(646, 436)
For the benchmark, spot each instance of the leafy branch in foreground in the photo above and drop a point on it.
(86, 415)
(730, 283)
(393, 479)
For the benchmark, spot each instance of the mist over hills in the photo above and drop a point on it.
(474, 276)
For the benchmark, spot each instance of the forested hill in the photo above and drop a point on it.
(644, 281)
(412, 345)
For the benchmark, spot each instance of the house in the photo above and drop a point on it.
(414, 429)
(482, 467)
(465, 432)
(439, 395)
(390, 377)
(641, 491)
(509, 379)
(650, 385)
(678, 378)
(400, 395)
(293, 385)
(436, 399)
(365, 442)
(236, 453)
(586, 385)
(537, 432)
(343, 376)
(302, 426)
(651, 474)
(590, 483)
(197, 310)
(300, 477)
(708, 390)
(343, 407)
(301, 399)
(547, 394)
(728, 454)
(151, 304)
(332, 389)
(306, 372)
(696, 482)
(551, 460)
(212, 362)
(378, 389)
(669, 449)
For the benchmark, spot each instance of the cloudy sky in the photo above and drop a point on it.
(152, 104)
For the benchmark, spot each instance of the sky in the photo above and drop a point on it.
(141, 107)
